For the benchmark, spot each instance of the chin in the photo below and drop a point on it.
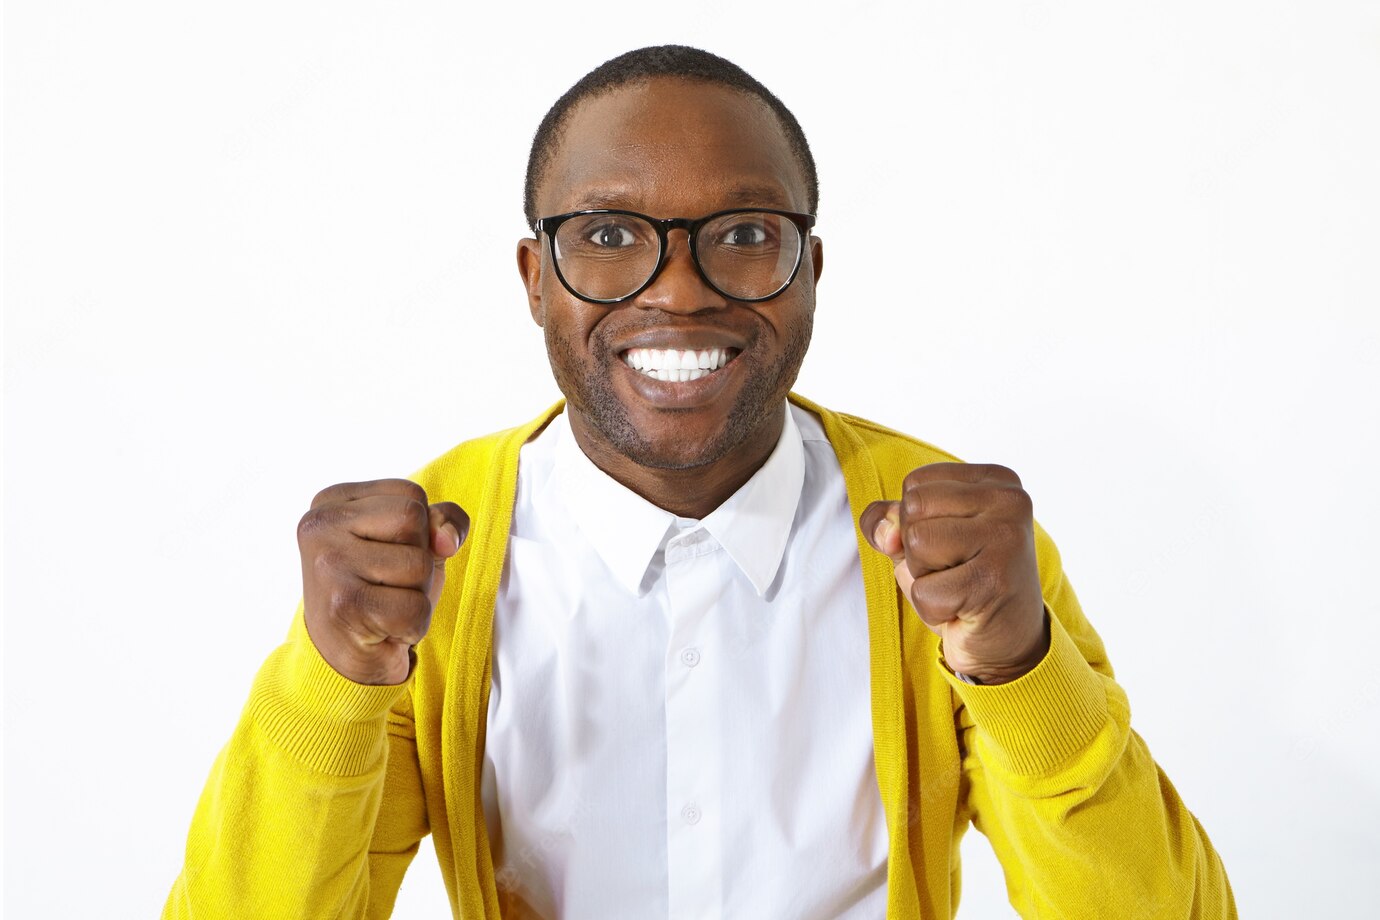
(667, 446)
(677, 438)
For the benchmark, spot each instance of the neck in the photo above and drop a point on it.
(692, 492)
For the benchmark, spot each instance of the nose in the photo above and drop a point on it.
(679, 288)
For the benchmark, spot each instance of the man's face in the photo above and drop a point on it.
(672, 148)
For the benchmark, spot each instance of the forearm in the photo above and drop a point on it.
(284, 823)
(1082, 819)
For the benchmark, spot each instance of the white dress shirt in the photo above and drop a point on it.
(679, 723)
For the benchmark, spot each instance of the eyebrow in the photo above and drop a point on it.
(765, 196)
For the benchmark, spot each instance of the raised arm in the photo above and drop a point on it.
(315, 807)
(1084, 822)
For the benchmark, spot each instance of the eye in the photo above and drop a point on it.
(751, 232)
(611, 235)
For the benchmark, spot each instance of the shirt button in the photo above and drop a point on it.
(690, 657)
(691, 814)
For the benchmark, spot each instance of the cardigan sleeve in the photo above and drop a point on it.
(1083, 821)
(314, 808)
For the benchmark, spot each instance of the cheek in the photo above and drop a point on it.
(793, 325)
(568, 327)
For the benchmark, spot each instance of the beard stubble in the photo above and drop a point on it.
(760, 397)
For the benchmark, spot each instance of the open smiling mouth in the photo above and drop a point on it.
(676, 365)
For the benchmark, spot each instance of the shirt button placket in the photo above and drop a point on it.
(694, 581)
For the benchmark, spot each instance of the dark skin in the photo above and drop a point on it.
(671, 148)
(961, 539)
(962, 542)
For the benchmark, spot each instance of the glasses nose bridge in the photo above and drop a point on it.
(666, 225)
(690, 225)
(680, 223)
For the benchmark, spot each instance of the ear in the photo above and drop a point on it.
(817, 256)
(529, 267)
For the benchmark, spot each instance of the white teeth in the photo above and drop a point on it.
(675, 364)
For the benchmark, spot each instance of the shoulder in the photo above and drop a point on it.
(474, 468)
(860, 441)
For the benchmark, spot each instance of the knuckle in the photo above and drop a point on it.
(320, 523)
(345, 601)
(1018, 500)
(410, 519)
(411, 490)
(330, 562)
(1011, 532)
(1025, 503)
(997, 530)
(917, 598)
(914, 504)
(417, 512)
(416, 567)
(920, 475)
(310, 525)
(940, 469)
(327, 495)
(913, 536)
(1003, 473)
(411, 617)
(419, 612)
(934, 607)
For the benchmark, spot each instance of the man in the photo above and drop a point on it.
(695, 646)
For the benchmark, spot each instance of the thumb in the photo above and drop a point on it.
(880, 524)
(449, 526)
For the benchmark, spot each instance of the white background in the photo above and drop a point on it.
(1128, 250)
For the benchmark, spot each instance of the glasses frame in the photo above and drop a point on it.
(663, 226)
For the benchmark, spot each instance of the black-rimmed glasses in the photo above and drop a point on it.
(608, 256)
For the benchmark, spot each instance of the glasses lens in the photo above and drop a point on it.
(749, 255)
(606, 256)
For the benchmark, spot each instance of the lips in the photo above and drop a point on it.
(677, 365)
(679, 387)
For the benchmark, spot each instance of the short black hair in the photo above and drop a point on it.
(643, 64)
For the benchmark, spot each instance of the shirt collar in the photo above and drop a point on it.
(753, 524)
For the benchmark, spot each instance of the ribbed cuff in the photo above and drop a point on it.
(328, 722)
(1038, 721)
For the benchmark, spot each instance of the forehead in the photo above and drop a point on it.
(672, 147)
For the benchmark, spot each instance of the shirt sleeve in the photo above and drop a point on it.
(314, 807)
(1082, 819)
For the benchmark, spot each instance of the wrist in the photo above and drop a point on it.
(991, 675)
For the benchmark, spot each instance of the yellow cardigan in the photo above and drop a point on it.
(320, 799)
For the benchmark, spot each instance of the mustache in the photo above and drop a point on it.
(604, 334)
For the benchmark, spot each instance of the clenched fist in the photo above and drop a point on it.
(962, 539)
(373, 564)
